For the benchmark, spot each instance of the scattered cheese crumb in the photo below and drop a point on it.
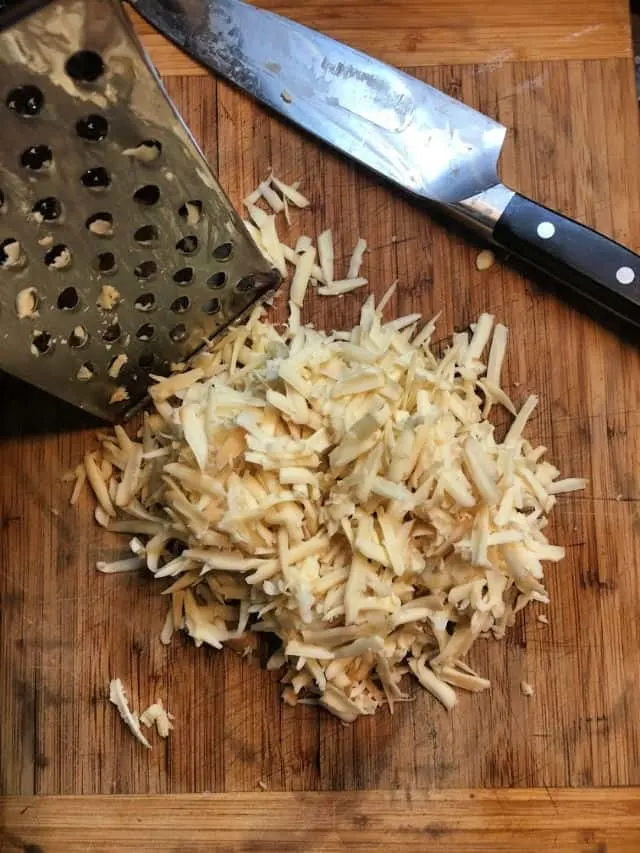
(85, 373)
(542, 617)
(117, 365)
(156, 714)
(118, 396)
(194, 212)
(109, 297)
(80, 336)
(118, 697)
(12, 254)
(485, 260)
(62, 260)
(101, 227)
(526, 689)
(27, 303)
(146, 152)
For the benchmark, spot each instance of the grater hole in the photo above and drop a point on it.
(178, 333)
(68, 299)
(217, 280)
(112, 333)
(78, 338)
(223, 252)
(2, 200)
(145, 302)
(184, 276)
(108, 298)
(100, 224)
(47, 209)
(146, 270)
(147, 152)
(116, 364)
(92, 128)
(27, 303)
(146, 234)
(85, 66)
(11, 254)
(188, 245)
(146, 360)
(26, 101)
(146, 332)
(246, 284)
(58, 257)
(191, 211)
(148, 195)
(105, 263)
(86, 372)
(180, 305)
(120, 395)
(41, 343)
(36, 157)
(212, 306)
(96, 179)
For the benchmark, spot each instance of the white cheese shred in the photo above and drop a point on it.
(343, 492)
(338, 288)
(118, 697)
(157, 715)
(326, 255)
(302, 277)
(291, 193)
(355, 264)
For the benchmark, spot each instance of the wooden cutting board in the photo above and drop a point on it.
(561, 78)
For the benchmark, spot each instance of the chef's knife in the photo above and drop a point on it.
(412, 134)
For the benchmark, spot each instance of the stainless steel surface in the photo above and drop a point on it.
(483, 211)
(407, 131)
(177, 280)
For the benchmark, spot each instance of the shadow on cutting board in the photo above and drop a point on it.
(27, 410)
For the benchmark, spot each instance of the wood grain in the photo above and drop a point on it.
(437, 32)
(456, 821)
(66, 630)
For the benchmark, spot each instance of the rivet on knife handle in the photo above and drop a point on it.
(590, 263)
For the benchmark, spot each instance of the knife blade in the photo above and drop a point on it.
(428, 143)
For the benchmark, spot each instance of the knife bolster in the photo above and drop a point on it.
(482, 212)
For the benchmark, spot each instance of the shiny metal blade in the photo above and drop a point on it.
(407, 131)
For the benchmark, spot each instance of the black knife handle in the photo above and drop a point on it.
(588, 262)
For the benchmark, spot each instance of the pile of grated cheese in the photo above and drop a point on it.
(344, 492)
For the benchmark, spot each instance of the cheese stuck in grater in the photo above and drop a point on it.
(120, 254)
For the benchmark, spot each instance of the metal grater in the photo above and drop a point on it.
(120, 253)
